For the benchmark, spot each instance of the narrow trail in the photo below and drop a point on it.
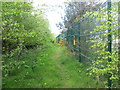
(56, 68)
(65, 78)
(70, 73)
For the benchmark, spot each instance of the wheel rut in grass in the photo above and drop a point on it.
(62, 70)
(60, 65)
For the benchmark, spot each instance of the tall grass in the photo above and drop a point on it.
(54, 67)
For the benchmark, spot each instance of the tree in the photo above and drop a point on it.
(21, 30)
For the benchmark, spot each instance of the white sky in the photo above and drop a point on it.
(54, 13)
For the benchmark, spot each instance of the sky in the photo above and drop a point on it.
(53, 14)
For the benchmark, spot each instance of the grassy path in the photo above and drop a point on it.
(63, 70)
(60, 65)
(56, 68)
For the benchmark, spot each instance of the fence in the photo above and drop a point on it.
(84, 34)
(77, 36)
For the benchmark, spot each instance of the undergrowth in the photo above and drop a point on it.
(53, 67)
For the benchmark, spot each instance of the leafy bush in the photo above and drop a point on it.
(21, 29)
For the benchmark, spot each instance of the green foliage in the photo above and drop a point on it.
(21, 30)
(55, 68)
(21, 27)
(101, 67)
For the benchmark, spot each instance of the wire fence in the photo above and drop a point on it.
(77, 37)
(94, 37)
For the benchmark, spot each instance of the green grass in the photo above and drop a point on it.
(55, 68)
